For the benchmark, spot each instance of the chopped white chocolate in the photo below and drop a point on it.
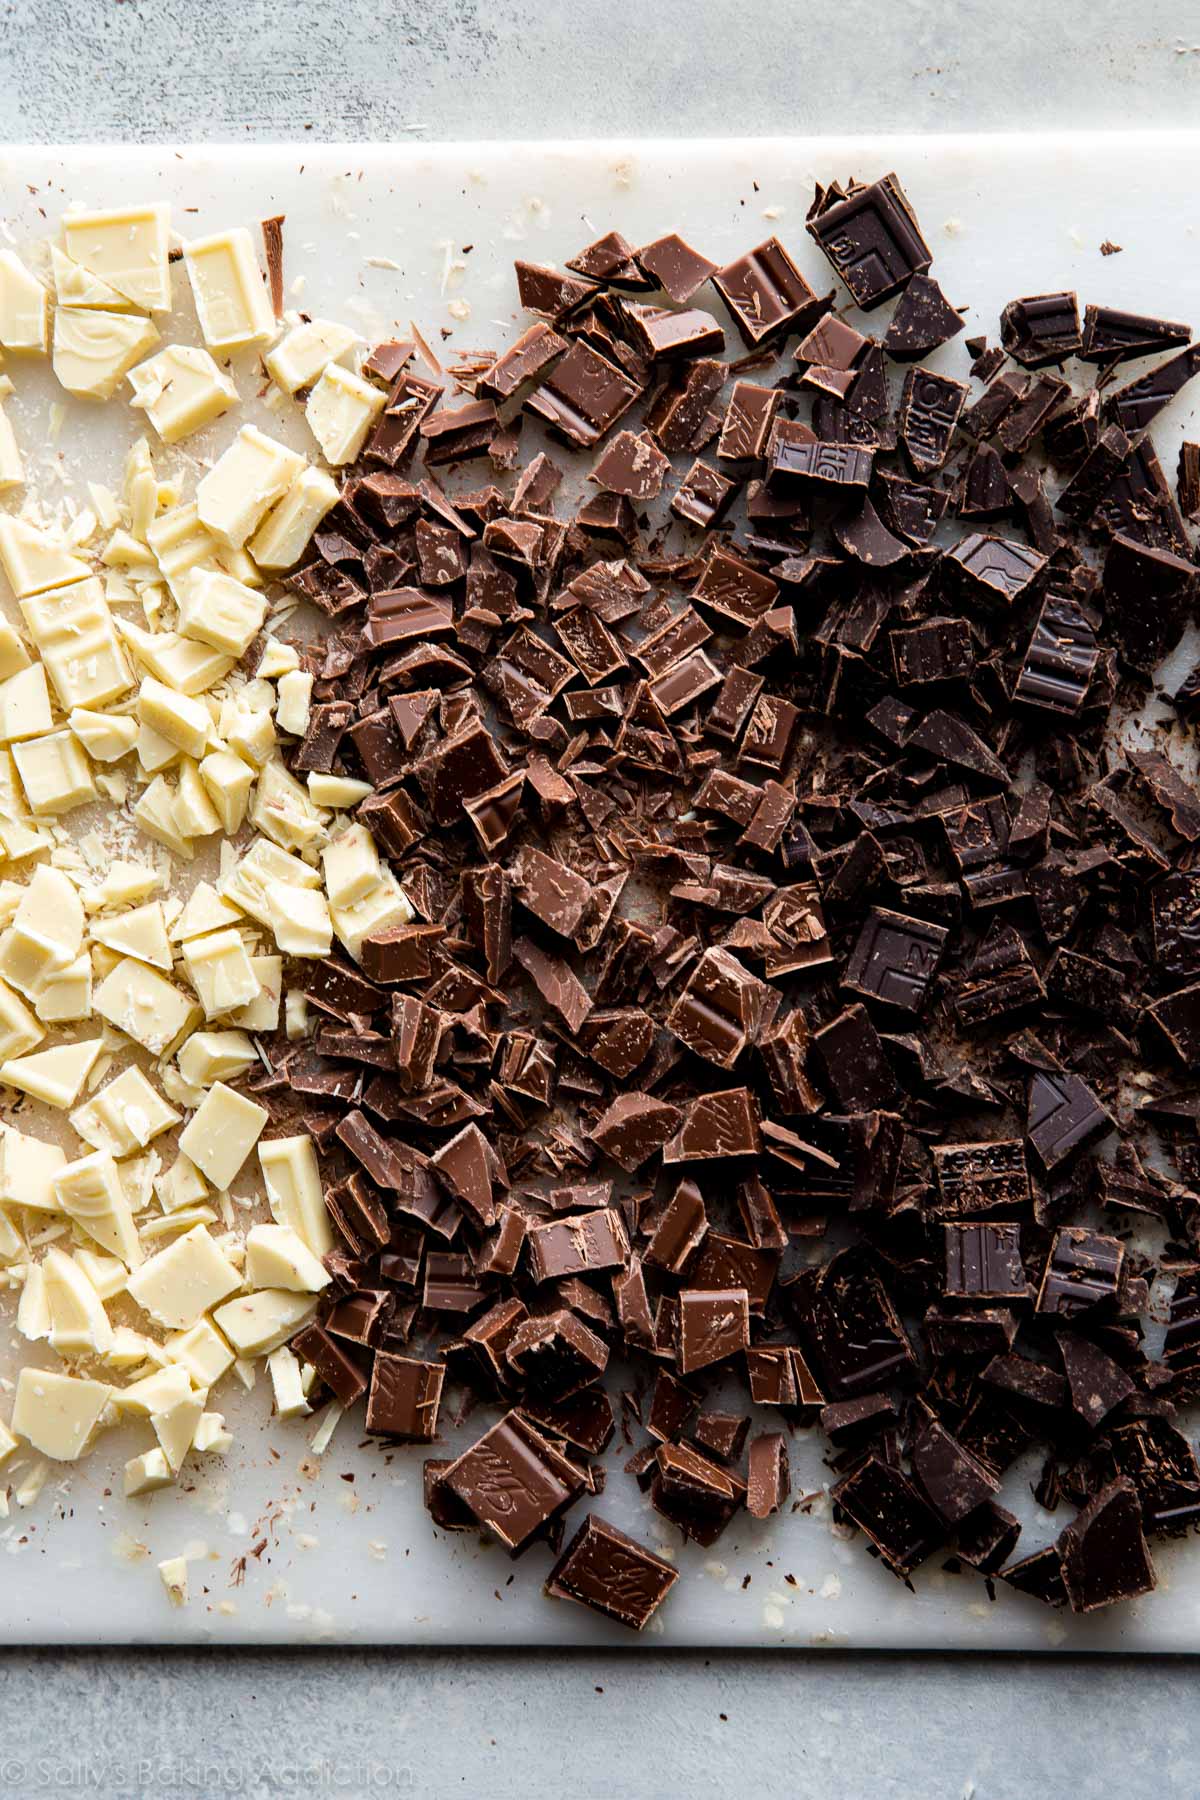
(185, 723)
(232, 302)
(76, 286)
(341, 410)
(126, 1115)
(77, 640)
(283, 536)
(13, 654)
(46, 932)
(155, 813)
(286, 1385)
(90, 1192)
(277, 659)
(351, 865)
(53, 1076)
(256, 1324)
(277, 1257)
(58, 1414)
(293, 1183)
(249, 729)
(295, 700)
(174, 1576)
(33, 1313)
(180, 390)
(181, 1185)
(145, 1006)
(180, 542)
(146, 1473)
(28, 1166)
(8, 1443)
(283, 812)
(222, 1132)
(106, 737)
(380, 908)
(175, 1427)
(299, 918)
(340, 791)
(65, 996)
(178, 1285)
(126, 247)
(202, 1351)
(165, 1386)
(244, 483)
(79, 1325)
(19, 1030)
(211, 1437)
(195, 814)
(295, 1014)
(107, 1274)
(12, 1246)
(219, 970)
(141, 933)
(94, 351)
(227, 782)
(262, 1014)
(12, 469)
(217, 610)
(55, 772)
(33, 561)
(205, 911)
(25, 705)
(300, 358)
(24, 307)
(264, 868)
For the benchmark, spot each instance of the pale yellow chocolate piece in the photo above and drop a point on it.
(283, 812)
(232, 302)
(66, 996)
(126, 1115)
(283, 536)
(262, 1014)
(182, 1185)
(141, 933)
(219, 970)
(164, 1387)
(53, 1076)
(293, 1182)
(180, 541)
(227, 782)
(205, 911)
(106, 737)
(341, 411)
(126, 247)
(147, 1473)
(25, 705)
(276, 1257)
(351, 865)
(24, 307)
(33, 1312)
(172, 1572)
(180, 390)
(79, 1325)
(244, 483)
(181, 1283)
(155, 814)
(55, 773)
(186, 723)
(28, 1166)
(146, 1006)
(295, 703)
(287, 1386)
(222, 1132)
(176, 1427)
(219, 611)
(94, 351)
(107, 1274)
(76, 286)
(340, 791)
(301, 358)
(33, 561)
(263, 868)
(13, 654)
(89, 1191)
(58, 1414)
(277, 659)
(130, 1349)
(300, 921)
(379, 909)
(77, 640)
(256, 1324)
(12, 469)
(8, 1443)
(195, 814)
(211, 1437)
(202, 1351)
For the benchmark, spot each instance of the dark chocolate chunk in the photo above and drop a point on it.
(514, 1481)
(611, 1573)
(885, 1505)
(871, 236)
(983, 1262)
(1040, 330)
(404, 1398)
(930, 407)
(895, 959)
(1104, 1553)
(1112, 336)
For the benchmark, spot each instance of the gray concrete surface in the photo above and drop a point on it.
(365, 1723)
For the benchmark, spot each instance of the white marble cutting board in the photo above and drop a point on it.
(378, 236)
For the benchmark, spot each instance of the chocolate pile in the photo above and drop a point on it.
(804, 971)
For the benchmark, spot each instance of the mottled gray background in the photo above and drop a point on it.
(645, 1726)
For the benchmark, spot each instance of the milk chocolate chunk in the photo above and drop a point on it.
(404, 1398)
(722, 1009)
(583, 396)
(823, 464)
(716, 1126)
(514, 1481)
(548, 291)
(766, 293)
(1041, 329)
(555, 981)
(581, 1244)
(662, 333)
(631, 464)
(1104, 1553)
(714, 1324)
(749, 417)
(556, 1354)
(337, 1368)
(677, 268)
(703, 496)
(603, 1569)
(871, 236)
(886, 1506)
(522, 362)
(680, 417)
(930, 407)
(731, 587)
(923, 320)
(895, 959)
(978, 1179)
(767, 1477)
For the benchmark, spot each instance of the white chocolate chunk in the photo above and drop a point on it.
(76, 286)
(181, 1186)
(380, 908)
(90, 1192)
(13, 654)
(33, 1314)
(264, 867)
(202, 1351)
(107, 1274)
(53, 1076)
(219, 970)
(155, 814)
(244, 483)
(12, 1246)
(77, 639)
(79, 1325)
(8, 1443)
(232, 302)
(126, 247)
(283, 536)
(286, 1384)
(300, 358)
(186, 723)
(227, 782)
(262, 1014)
(176, 1427)
(179, 1284)
(126, 1115)
(294, 1191)
(222, 1132)
(340, 791)
(66, 995)
(145, 1006)
(283, 812)
(106, 737)
(195, 814)
(277, 659)
(351, 865)
(277, 1257)
(165, 1386)
(205, 911)
(28, 1166)
(219, 611)
(300, 920)
(55, 772)
(174, 1576)
(129, 1349)
(12, 469)
(341, 410)
(58, 1414)
(46, 933)
(295, 702)
(141, 933)
(180, 542)
(146, 1473)
(180, 390)
(211, 1437)
(19, 1030)
(24, 307)
(94, 351)
(32, 560)
(256, 1324)
(25, 705)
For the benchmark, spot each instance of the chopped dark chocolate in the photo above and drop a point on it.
(611, 1573)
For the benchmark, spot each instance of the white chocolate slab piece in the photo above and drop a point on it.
(127, 1114)
(172, 1572)
(222, 1132)
(19, 1030)
(152, 1393)
(181, 1283)
(295, 703)
(232, 302)
(182, 721)
(339, 791)
(283, 812)
(179, 541)
(140, 933)
(106, 737)
(211, 1437)
(79, 1325)
(351, 865)
(28, 1166)
(264, 867)
(155, 814)
(76, 286)
(293, 1182)
(283, 536)
(24, 307)
(276, 1257)
(380, 908)
(262, 1014)
(77, 639)
(219, 611)
(53, 1076)
(145, 1006)
(94, 350)
(227, 782)
(287, 1385)
(256, 1324)
(8, 1443)
(65, 997)
(205, 911)
(126, 247)
(180, 390)
(195, 814)
(300, 921)
(90, 1192)
(33, 561)
(12, 469)
(219, 970)
(146, 1473)
(243, 484)
(107, 1274)
(55, 773)
(13, 654)
(300, 359)
(277, 658)
(58, 1414)
(25, 705)
(202, 1351)
(341, 411)
(50, 914)
(176, 1427)
(181, 1186)
(33, 1314)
